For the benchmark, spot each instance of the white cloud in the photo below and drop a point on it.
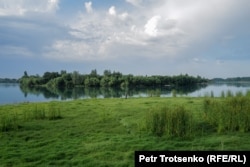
(112, 11)
(123, 16)
(166, 30)
(196, 35)
(151, 26)
(65, 50)
(20, 7)
(88, 6)
(52, 5)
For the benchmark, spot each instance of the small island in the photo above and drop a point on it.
(108, 79)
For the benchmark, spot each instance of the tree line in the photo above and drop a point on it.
(8, 80)
(234, 79)
(64, 79)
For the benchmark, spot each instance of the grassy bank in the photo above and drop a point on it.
(106, 132)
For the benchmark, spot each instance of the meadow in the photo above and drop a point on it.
(106, 132)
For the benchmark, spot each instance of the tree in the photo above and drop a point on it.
(93, 73)
(49, 76)
(108, 79)
(107, 73)
(76, 79)
(91, 82)
(25, 75)
(104, 81)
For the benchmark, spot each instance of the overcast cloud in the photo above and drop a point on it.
(202, 37)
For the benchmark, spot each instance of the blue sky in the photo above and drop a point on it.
(140, 37)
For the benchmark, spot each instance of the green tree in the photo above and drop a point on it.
(107, 73)
(93, 73)
(25, 75)
(76, 78)
(104, 81)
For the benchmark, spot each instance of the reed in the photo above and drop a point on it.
(54, 113)
(174, 93)
(248, 93)
(38, 113)
(8, 122)
(176, 122)
(229, 93)
(211, 94)
(222, 94)
(231, 115)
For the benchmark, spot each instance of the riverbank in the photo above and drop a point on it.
(103, 132)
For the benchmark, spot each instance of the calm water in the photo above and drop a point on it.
(13, 93)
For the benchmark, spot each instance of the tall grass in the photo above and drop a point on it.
(174, 93)
(54, 113)
(154, 93)
(38, 113)
(211, 94)
(229, 93)
(222, 94)
(8, 122)
(230, 115)
(248, 93)
(34, 113)
(176, 122)
(12, 120)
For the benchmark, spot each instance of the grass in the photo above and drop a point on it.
(106, 132)
(175, 122)
(229, 115)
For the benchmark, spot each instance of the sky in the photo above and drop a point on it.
(140, 37)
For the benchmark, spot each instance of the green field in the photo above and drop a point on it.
(106, 132)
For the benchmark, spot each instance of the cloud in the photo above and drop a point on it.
(52, 5)
(151, 26)
(20, 7)
(66, 50)
(29, 35)
(134, 2)
(189, 33)
(171, 30)
(112, 11)
(88, 6)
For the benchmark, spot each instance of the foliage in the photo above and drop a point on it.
(234, 79)
(108, 79)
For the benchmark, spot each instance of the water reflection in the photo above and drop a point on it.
(83, 92)
(14, 93)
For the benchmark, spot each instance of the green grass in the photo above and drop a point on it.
(106, 132)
